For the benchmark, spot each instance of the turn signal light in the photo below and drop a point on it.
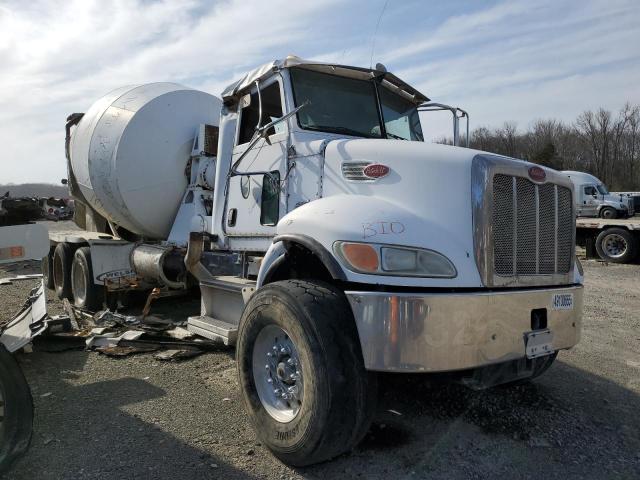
(361, 256)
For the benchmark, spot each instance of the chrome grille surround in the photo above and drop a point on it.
(524, 231)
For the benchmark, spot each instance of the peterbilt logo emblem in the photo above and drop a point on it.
(376, 170)
(537, 174)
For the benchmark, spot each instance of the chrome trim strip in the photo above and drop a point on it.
(537, 190)
(514, 189)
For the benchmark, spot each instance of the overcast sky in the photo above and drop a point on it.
(500, 60)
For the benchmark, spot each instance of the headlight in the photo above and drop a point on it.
(393, 260)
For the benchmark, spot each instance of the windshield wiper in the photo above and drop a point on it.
(336, 129)
(397, 137)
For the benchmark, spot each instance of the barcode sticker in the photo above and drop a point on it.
(562, 301)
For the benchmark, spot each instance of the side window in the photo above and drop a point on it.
(270, 200)
(590, 190)
(271, 109)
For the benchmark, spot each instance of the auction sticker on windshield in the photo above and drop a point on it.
(562, 301)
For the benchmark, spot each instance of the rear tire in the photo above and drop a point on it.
(311, 323)
(62, 259)
(16, 411)
(616, 245)
(86, 293)
(609, 213)
(47, 270)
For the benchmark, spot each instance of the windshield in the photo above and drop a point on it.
(602, 189)
(401, 119)
(350, 106)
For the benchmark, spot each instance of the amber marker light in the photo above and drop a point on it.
(360, 256)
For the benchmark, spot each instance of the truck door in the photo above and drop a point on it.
(590, 201)
(255, 200)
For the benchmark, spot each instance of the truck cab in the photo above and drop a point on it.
(594, 200)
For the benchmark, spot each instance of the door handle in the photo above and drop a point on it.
(231, 217)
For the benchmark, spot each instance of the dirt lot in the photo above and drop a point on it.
(99, 417)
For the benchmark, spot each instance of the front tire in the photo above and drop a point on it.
(301, 372)
(609, 213)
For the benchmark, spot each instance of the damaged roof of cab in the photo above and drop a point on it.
(390, 80)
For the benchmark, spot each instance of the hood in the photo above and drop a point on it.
(423, 201)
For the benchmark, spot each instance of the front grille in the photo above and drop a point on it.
(532, 227)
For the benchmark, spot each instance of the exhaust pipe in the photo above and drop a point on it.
(159, 265)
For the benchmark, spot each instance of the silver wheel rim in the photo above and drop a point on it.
(79, 284)
(278, 374)
(614, 245)
(608, 213)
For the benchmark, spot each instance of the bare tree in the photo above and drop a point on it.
(597, 142)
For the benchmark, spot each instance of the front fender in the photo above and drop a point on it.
(361, 218)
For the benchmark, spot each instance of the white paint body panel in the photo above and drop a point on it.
(130, 150)
(424, 201)
(32, 240)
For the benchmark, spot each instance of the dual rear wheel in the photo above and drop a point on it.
(68, 271)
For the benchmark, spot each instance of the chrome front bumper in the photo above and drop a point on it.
(409, 332)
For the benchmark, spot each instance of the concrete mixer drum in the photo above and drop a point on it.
(129, 152)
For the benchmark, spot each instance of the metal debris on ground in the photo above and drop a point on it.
(107, 332)
(29, 322)
(179, 333)
(111, 340)
(107, 318)
(124, 351)
(175, 354)
(17, 278)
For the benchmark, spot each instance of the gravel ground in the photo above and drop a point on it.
(104, 418)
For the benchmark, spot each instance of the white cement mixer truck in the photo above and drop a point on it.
(328, 240)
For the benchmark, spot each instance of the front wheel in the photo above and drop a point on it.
(609, 213)
(301, 372)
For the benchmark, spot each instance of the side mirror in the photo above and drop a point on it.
(64, 181)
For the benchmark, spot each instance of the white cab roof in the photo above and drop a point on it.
(238, 88)
(581, 178)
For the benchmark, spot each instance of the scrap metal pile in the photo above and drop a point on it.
(107, 332)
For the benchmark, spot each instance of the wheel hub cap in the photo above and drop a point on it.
(615, 246)
(277, 373)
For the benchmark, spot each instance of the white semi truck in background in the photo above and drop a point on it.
(594, 200)
(328, 240)
(615, 235)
